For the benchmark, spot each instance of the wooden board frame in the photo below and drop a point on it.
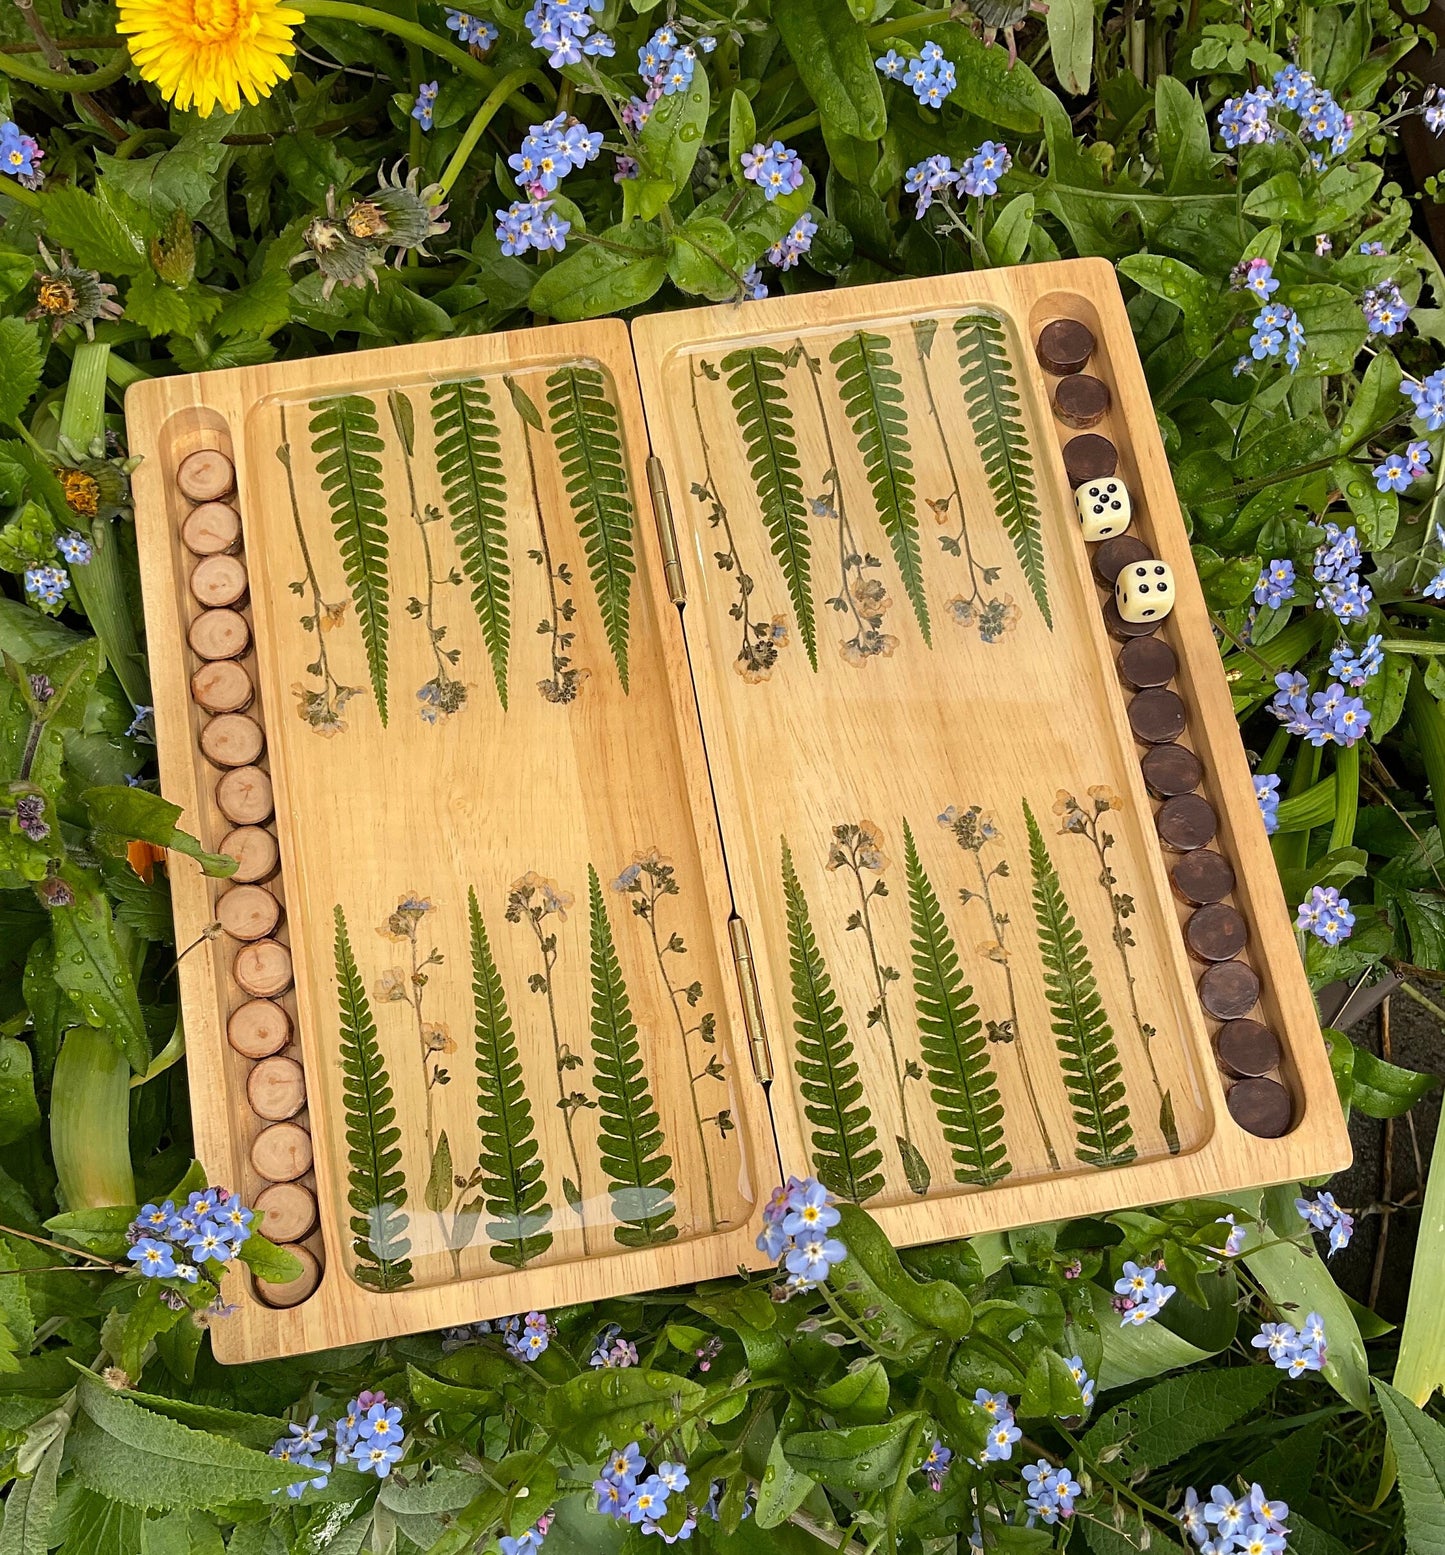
(170, 418)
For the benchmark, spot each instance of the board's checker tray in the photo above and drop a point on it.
(660, 761)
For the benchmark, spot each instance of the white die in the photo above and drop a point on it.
(1144, 591)
(1104, 508)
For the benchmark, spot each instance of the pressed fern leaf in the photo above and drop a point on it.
(757, 382)
(873, 401)
(584, 424)
(630, 1137)
(347, 445)
(998, 426)
(1088, 1059)
(845, 1156)
(513, 1190)
(469, 462)
(377, 1187)
(960, 1076)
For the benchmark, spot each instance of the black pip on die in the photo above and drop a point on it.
(1144, 591)
(1104, 509)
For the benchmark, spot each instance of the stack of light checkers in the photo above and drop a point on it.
(1141, 596)
(233, 740)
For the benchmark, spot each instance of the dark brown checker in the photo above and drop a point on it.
(1064, 346)
(1261, 1107)
(1122, 629)
(1145, 662)
(1170, 770)
(1111, 557)
(1229, 990)
(1216, 933)
(1186, 822)
(1202, 877)
(1246, 1049)
(1157, 716)
(1081, 400)
(1089, 457)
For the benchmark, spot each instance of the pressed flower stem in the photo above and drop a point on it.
(847, 546)
(961, 538)
(1090, 829)
(478, 127)
(554, 619)
(733, 559)
(549, 961)
(999, 930)
(331, 687)
(429, 615)
(413, 32)
(674, 994)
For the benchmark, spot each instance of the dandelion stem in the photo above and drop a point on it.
(478, 126)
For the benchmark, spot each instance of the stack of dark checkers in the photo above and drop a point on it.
(1214, 930)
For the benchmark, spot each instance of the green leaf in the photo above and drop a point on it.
(100, 232)
(596, 1410)
(1376, 512)
(131, 1455)
(1003, 442)
(668, 146)
(512, 1185)
(757, 381)
(835, 62)
(706, 261)
(742, 132)
(1375, 401)
(1161, 1424)
(1071, 43)
(1278, 199)
(121, 815)
(1008, 238)
(597, 279)
(21, 360)
(862, 1458)
(1088, 1060)
(961, 1078)
(1419, 1444)
(19, 1110)
(182, 176)
(30, 1506)
(1050, 1390)
(1196, 297)
(1378, 1088)
(630, 1137)
(469, 465)
(376, 1190)
(858, 1397)
(347, 444)
(269, 1262)
(91, 967)
(844, 1153)
(1184, 152)
(1335, 328)
(585, 428)
(1297, 1282)
(782, 1489)
(873, 401)
(873, 1262)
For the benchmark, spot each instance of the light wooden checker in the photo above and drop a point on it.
(421, 812)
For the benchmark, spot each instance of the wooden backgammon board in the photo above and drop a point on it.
(663, 759)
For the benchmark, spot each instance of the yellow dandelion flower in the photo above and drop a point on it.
(205, 53)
